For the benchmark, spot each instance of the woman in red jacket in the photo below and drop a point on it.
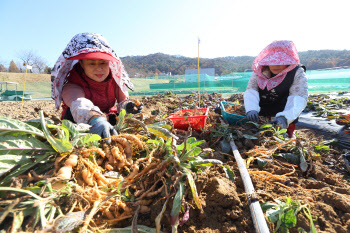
(91, 82)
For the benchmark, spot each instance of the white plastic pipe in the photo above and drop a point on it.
(257, 214)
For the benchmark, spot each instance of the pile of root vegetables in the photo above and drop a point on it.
(94, 186)
(117, 166)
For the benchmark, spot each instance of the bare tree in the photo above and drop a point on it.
(29, 57)
(39, 64)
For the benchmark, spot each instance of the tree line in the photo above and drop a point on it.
(162, 64)
(156, 64)
(24, 58)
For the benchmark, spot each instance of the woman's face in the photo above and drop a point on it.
(97, 70)
(276, 69)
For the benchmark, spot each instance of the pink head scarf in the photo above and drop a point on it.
(282, 52)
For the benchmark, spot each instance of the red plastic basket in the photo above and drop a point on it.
(182, 122)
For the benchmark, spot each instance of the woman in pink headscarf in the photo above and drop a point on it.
(278, 86)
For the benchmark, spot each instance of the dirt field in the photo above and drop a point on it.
(325, 187)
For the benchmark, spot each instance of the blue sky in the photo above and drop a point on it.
(142, 27)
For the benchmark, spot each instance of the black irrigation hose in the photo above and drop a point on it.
(328, 129)
(257, 214)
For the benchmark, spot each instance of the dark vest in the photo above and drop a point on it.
(275, 100)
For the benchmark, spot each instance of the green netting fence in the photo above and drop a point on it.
(320, 81)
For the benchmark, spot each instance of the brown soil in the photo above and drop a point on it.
(30, 110)
(326, 187)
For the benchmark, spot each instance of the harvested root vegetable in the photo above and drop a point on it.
(137, 142)
(87, 177)
(144, 202)
(121, 149)
(108, 167)
(99, 162)
(144, 209)
(116, 154)
(65, 172)
(121, 204)
(127, 146)
(109, 214)
(135, 170)
(72, 161)
(136, 102)
(92, 173)
(114, 183)
(151, 194)
(119, 156)
(87, 152)
(58, 160)
(100, 179)
(110, 158)
(121, 165)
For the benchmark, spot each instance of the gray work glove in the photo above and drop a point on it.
(253, 116)
(280, 121)
(100, 126)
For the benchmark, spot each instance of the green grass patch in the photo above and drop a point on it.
(142, 84)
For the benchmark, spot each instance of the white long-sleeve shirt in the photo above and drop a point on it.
(296, 101)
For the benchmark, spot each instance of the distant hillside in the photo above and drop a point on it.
(142, 66)
(157, 63)
(321, 59)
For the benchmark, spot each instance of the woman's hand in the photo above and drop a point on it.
(217, 109)
(103, 128)
(253, 116)
(131, 107)
(280, 121)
